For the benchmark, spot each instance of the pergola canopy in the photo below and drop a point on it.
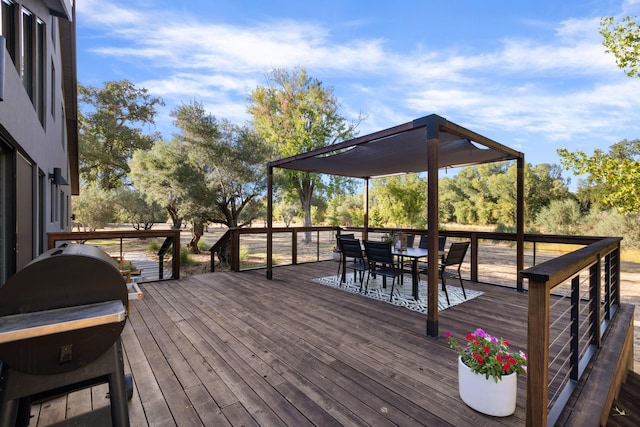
(426, 144)
(401, 149)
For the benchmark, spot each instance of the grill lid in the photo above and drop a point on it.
(66, 286)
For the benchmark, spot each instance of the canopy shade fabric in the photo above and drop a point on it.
(401, 149)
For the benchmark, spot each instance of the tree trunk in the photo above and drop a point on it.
(196, 234)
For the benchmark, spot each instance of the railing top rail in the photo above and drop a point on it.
(62, 235)
(56, 236)
(559, 269)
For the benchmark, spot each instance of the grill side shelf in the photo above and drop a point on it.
(30, 325)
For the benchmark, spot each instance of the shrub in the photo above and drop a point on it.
(185, 257)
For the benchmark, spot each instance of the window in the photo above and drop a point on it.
(53, 90)
(33, 44)
(27, 50)
(40, 77)
(9, 28)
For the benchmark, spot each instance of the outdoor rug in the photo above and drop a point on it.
(402, 294)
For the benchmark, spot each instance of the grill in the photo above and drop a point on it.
(61, 317)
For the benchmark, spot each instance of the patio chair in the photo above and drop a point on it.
(453, 259)
(381, 262)
(442, 242)
(351, 249)
(342, 260)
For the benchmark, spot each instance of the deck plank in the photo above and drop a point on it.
(236, 349)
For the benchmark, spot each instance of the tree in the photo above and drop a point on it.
(487, 194)
(401, 200)
(212, 172)
(295, 114)
(560, 217)
(134, 208)
(111, 124)
(93, 208)
(623, 40)
(618, 171)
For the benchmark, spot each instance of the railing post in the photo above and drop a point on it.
(175, 261)
(538, 349)
(234, 252)
(607, 287)
(615, 285)
(294, 246)
(474, 257)
(575, 327)
(595, 298)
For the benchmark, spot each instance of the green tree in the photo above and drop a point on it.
(111, 122)
(134, 208)
(295, 114)
(617, 171)
(401, 201)
(160, 173)
(560, 217)
(213, 172)
(93, 208)
(623, 40)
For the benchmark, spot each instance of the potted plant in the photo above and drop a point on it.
(487, 373)
(336, 253)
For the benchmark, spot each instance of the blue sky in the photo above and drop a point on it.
(531, 75)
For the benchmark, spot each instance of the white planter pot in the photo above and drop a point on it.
(336, 256)
(485, 395)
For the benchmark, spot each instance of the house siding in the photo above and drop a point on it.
(38, 136)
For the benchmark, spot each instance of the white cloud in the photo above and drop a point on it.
(554, 88)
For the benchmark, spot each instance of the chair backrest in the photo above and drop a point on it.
(350, 248)
(410, 240)
(378, 252)
(442, 241)
(344, 236)
(456, 253)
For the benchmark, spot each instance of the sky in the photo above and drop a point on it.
(532, 75)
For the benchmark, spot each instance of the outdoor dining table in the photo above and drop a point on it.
(414, 254)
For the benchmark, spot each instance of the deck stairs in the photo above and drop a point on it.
(625, 410)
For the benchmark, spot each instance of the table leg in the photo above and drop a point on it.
(414, 278)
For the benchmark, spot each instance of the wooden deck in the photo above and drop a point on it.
(236, 349)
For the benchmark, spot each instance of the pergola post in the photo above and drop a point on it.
(520, 221)
(432, 139)
(269, 221)
(365, 233)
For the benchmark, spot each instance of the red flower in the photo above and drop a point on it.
(479, 358)
(486, 349)
(506, 342)
(499, 358)
(470, 337)
(447, 334)
(506, 367)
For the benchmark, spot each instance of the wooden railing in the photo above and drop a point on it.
(172, 239)
(248, 248)
(572, 300)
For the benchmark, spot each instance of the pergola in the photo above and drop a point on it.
(426, 144)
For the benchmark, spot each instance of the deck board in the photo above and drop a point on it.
(236, 349)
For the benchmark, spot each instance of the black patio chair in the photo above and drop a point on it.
(351, 250)
(453, 259)
(442, 242)
(381, 262)
(342, 260)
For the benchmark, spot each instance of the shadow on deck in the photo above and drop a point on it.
(237, 349)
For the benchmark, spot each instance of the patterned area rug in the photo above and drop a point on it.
(402, 294)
